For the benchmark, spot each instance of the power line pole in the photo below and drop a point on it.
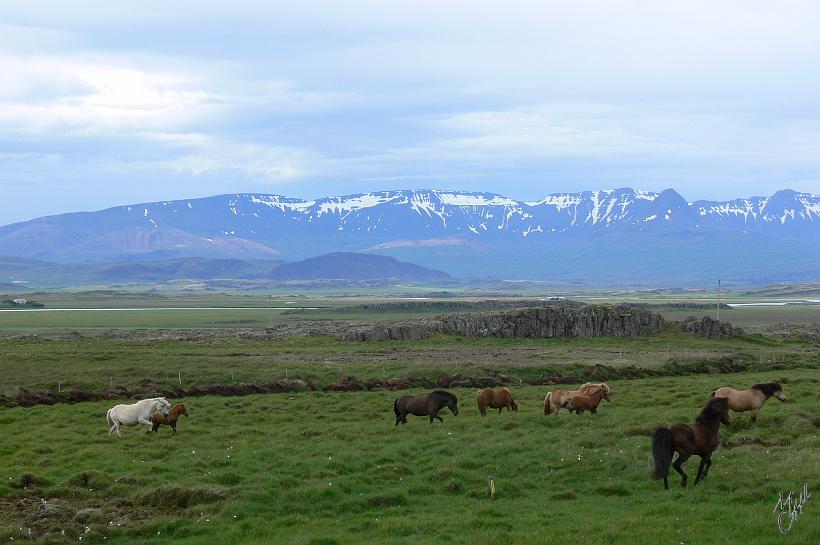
(270, 311)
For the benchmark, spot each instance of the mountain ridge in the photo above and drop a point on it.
(422, 226)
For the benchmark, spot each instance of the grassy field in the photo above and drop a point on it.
(317, 468)
(227, 310)
(94, 363)
(330, 468)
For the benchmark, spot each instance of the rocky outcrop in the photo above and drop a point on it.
(558, 320)
(709, 328)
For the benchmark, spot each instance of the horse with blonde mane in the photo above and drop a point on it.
(136, 413)
(496, 399)
(553, 401)
(751, 399)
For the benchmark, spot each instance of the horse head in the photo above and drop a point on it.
(163, 406)
(514, 405)
(183, 410)
(722, 406)
(452, 404)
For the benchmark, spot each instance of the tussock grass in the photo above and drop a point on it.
(332, 468)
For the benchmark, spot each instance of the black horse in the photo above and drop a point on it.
(430, 405)
(700, 438)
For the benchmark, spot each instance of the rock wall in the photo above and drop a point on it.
(712, 329)
(558, 320)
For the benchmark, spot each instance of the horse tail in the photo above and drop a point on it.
(396, 407)
(108, 418)
(547, 405)
(662, 451)
(712, 394)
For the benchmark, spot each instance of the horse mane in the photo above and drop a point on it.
(768, 388)
(443, 393)
(709, 412)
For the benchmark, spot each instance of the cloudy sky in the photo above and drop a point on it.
(105, 103)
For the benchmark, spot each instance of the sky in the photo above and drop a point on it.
(108, 103)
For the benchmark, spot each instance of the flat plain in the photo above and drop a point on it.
(324, 468)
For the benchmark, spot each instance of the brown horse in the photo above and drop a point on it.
(553, 401)
(158, 419)
(700, 438)
(589, 403)
(751, 399)
(428, 405)
(496, 399)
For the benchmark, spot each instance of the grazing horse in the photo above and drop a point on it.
(589, 403)
(136, 413)
(496, 399)
(553, 401)
(158, 419)
(430, 405)
(700, 438)
(751, 399)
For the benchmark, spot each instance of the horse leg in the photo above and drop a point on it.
(173, 428)
(682, 457)
(701, 467)
(499, 410)
(708, 466)
(754, 416)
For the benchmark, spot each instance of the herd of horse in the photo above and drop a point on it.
(687, 440)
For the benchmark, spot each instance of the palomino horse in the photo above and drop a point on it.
(137, 413)
(496, 399)
(158, 419)
(589, 403)
(553, 401)
(751, 399)
(700, 438)
(430, 405)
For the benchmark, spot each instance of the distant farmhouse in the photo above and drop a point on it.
(19, 301)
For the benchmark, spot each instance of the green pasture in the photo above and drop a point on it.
(237, 310)
(322, 469)
(99, 362)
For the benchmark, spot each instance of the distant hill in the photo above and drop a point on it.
(354, 266)
(344, 266)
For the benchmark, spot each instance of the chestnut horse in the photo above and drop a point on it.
(553, 401)
(496, 399)
(430, 405)
(158, 419)
(700, 438)
(589, 403)
(751, 399)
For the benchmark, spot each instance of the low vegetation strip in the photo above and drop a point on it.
(565, 374)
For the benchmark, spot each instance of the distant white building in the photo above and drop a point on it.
(19, 301)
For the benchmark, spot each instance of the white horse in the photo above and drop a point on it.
(137, 413)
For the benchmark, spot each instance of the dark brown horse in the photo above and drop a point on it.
(700, 438)
(428, 405)
(158, 419)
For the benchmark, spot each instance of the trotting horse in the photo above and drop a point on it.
(496, 399)
(158, 419)
(136, 413)
(700, 438)
(430, 405)
(751, 399)
(553, 401)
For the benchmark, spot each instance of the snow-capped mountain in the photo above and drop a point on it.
(422, 222)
